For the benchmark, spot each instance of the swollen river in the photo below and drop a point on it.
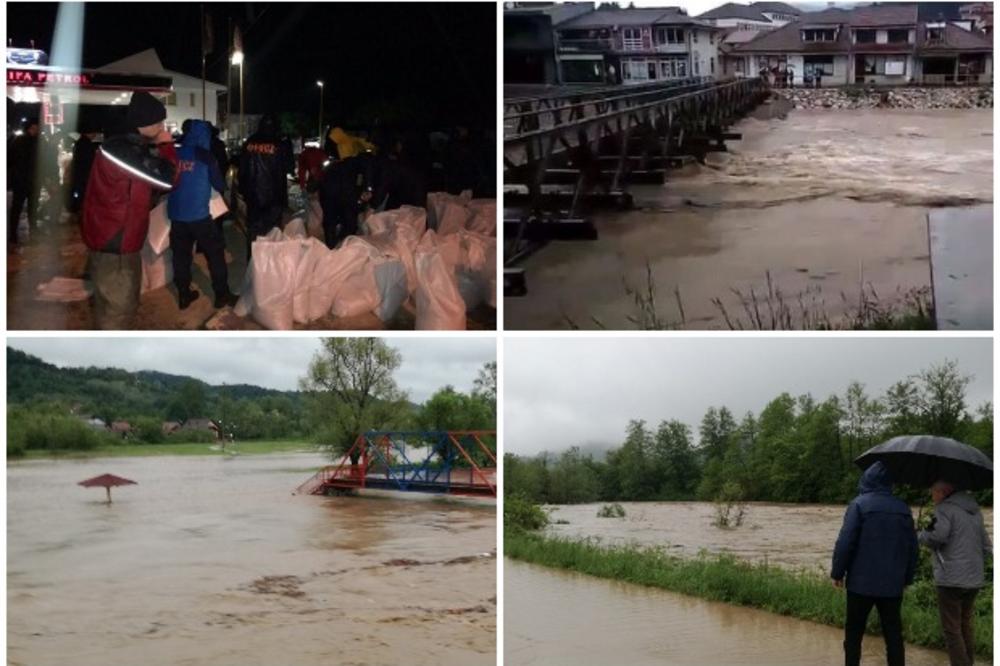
(214, 561)
(821, 202)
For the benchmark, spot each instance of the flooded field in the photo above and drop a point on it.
(214, 561)
(798, 536)
(556, 618)
(822, 201)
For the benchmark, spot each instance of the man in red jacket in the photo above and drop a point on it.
(116, 208)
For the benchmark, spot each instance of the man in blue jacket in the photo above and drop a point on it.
(877, 553)
(191, 221)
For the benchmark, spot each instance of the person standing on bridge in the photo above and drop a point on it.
(876, 552)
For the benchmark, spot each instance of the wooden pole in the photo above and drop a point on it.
(108, 490)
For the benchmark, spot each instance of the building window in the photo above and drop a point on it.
(636, 70)
(864, 36)
(711, 37)
(822, 65)
(192, 101)
(651, 71)
(711, 64)
(694, 36)
(172, 99)
(935, 34)
(815, 35)
(697, 68)
(883, 65)
(899, 36)
(675, 68)
(669, 36)
(632, 39)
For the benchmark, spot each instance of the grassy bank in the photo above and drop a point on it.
(186, 449)
(797, 594)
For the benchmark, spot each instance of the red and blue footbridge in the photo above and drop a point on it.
(444, 462)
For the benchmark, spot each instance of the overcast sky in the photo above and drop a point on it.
(428, 363)
(560, 392)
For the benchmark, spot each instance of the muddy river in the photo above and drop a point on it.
(618, 623)
(797, 536)
(821, 201)
(214, 561)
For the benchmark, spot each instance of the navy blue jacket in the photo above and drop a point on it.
(198, 175)
(877, 546)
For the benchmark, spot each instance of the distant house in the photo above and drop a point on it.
(529, 50)
(877, 44)
(121, 428)
(755, 17)
(980, 14)
(170, 427)
(94, 422)
(201, 425)
(634, 46)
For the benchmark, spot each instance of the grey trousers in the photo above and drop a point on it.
(117, 282)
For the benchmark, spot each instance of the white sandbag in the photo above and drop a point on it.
(399, 244)
(314, 218)
(274, 266)
(244, 306)
(358, 294)
(413, 217)
(436, 202)
(217, 205)
(452, 218)
(313, 252)
(296, 229)
(329, 277)
(478, 260)
(439, 304)
(483, 218)
(157, 269)
(158, 236)
(472, 288)
(390, 278)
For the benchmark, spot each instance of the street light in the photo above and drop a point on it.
(320, 132)
(237, 59)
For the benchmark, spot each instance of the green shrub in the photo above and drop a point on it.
(49, 430)
(521, 515)
(615, 510)
(148, 430)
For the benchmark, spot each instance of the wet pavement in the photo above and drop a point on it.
(557, 618)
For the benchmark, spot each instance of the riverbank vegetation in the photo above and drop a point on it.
(797, 449)
(55, 411)
(802, 595)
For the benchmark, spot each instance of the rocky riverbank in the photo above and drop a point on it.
(896, 98)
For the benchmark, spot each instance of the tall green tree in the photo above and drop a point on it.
(351, 384)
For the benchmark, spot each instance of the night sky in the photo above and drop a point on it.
(426, 64)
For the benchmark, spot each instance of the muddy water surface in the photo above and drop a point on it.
(214, 561)
(557, 618)
(822, 201)
(792, 535)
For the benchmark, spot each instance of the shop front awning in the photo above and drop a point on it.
(26, 84)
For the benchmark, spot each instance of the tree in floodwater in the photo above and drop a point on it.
(352, 390)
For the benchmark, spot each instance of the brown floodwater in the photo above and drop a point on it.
(821, 201)
(796, 536)
(214, 561)
(557, 618)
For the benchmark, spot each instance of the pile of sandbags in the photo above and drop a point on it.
(294, 278)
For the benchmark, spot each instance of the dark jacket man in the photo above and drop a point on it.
(22, 174)
(264, 164)
(340, 189)
(191, 222)
(877, 552)
(116, 207)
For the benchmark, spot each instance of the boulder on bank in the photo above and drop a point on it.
(892, 98)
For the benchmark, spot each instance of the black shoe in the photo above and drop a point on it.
(186, 298)
(228, 299)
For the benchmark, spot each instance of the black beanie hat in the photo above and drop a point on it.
(144, 110)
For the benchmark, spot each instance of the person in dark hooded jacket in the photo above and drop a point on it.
(191, 221)
(264, 165)
(877, 553)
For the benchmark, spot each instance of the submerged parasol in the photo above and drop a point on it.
(106, 481)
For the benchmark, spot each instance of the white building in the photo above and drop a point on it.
(184, 100)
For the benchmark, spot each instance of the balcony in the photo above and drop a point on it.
(605, 44)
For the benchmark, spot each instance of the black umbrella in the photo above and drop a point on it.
(920, 460)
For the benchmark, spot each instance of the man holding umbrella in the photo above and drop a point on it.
(960, 544)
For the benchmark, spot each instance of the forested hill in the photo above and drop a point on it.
(102, 390)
